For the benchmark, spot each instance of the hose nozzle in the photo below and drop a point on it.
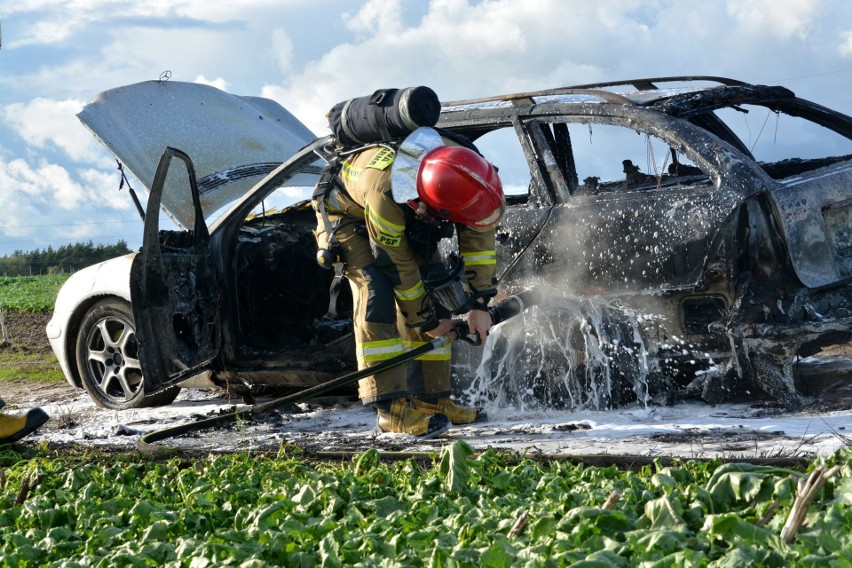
(508, 308)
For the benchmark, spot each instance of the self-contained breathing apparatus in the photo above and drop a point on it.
(446, 285)
(329, 251)
(386, 115)
(385, 118)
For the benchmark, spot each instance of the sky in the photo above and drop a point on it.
(59, 186)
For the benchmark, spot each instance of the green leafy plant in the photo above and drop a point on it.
(30, 293)
(464, 510)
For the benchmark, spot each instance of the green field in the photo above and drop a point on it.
(492, 509)
(26, 366)
(30, 293)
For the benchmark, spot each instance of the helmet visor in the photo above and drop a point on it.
(491, 221)
(406, 164)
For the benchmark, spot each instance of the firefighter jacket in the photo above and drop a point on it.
(366, 178)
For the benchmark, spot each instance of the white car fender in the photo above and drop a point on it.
(108, 278)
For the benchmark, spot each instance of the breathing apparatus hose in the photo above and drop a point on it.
(504, 310)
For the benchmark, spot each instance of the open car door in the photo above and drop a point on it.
(235, 142)
(173, 287)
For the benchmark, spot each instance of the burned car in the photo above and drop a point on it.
(693, 235)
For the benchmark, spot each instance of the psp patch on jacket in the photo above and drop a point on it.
(388, 240)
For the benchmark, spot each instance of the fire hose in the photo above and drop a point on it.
(499, 313)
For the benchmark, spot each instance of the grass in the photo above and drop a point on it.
(28, 294)
(19, 365)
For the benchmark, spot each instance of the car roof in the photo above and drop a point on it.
(691, 92)
(693, 97)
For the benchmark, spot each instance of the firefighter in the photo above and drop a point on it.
(15, 427)
(388, 213)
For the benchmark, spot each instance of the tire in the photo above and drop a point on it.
(108, 359)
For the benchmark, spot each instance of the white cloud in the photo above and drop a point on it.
(101, 190)
(282, 49)
(463, 50)
(19, 207)
(47, 184)
(58, 20)
(781, 18)
(218, 82)
(52, 185)
(47, 123)
(376, 15)
(845, 48)
(43, 205)
(468, 49)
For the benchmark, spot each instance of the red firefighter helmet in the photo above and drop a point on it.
(458, 184)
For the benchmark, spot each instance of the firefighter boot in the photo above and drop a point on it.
(401, 418)
(457, 414)
(15, 427)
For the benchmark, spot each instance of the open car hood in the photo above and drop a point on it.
(233, 141)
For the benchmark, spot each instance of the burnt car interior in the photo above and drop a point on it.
(282, 294)
(647, 162)
(716, 112)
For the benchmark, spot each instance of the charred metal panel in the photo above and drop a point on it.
(181, 314)
(520, 228)
(816, 216)
(174, 288)
(709, 99)
(654, 239)
(700, 312)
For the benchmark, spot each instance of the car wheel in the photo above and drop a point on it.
(108, 359)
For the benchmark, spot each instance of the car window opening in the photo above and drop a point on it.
(500, 147)
(588, 166)
(797, 144)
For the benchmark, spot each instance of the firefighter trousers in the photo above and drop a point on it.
(381, 334)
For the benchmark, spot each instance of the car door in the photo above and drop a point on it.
(173, 285)
(622, 228)
(815, 212)
(529, 184)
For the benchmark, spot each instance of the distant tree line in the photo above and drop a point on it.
(67, 258)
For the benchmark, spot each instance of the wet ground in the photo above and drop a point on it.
(341, 425)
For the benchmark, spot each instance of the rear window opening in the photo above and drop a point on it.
(785, 145)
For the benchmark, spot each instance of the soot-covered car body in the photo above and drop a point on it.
(695, 267)
(676, 258)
